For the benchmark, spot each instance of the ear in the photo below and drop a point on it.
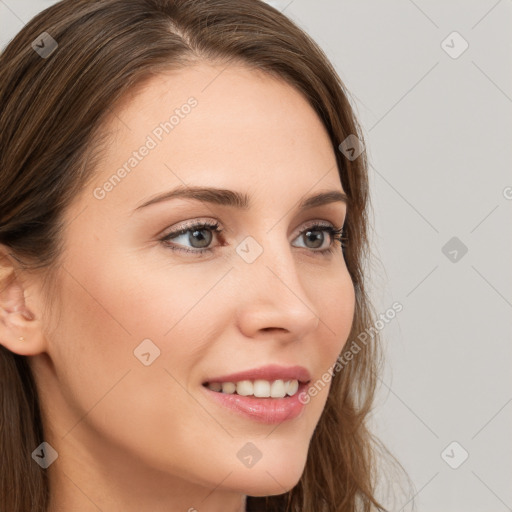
(20, 329)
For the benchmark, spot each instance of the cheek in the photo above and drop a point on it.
(126, 314)
(334, 299)
(339, 306)
(121, 316)
(109, 395)
(336, 306)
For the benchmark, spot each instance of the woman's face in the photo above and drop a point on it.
(140, 328)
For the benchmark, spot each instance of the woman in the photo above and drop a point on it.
(183, 226)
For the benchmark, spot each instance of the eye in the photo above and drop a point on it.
(200, 235)
(315, 236)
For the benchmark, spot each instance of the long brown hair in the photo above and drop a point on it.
(52, 109)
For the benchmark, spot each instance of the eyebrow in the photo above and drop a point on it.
(239, 200)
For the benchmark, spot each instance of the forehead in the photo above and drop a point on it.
(230, 127)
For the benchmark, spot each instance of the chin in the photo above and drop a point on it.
(269, 487)
(276, 477)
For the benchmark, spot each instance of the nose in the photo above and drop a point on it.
(274, 297)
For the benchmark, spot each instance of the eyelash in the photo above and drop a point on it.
(336, 235)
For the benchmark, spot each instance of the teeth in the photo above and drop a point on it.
(228, 387)
(244, 388)
(261, 388)
(215, 386)
(258, 388)
(293, 386)
(278, 390)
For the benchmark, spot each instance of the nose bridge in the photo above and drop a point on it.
(274, 294)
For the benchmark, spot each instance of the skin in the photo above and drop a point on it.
(132, 437)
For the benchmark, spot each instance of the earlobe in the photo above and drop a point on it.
(19, 328)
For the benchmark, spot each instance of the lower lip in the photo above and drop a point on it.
(264, 410)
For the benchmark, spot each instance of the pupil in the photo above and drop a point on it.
(204, 241)
(316, 237)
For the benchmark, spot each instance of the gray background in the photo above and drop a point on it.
(439, 139)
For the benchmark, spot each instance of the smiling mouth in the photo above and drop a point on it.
(258, 388)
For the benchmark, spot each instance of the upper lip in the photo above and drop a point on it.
(270, 372)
